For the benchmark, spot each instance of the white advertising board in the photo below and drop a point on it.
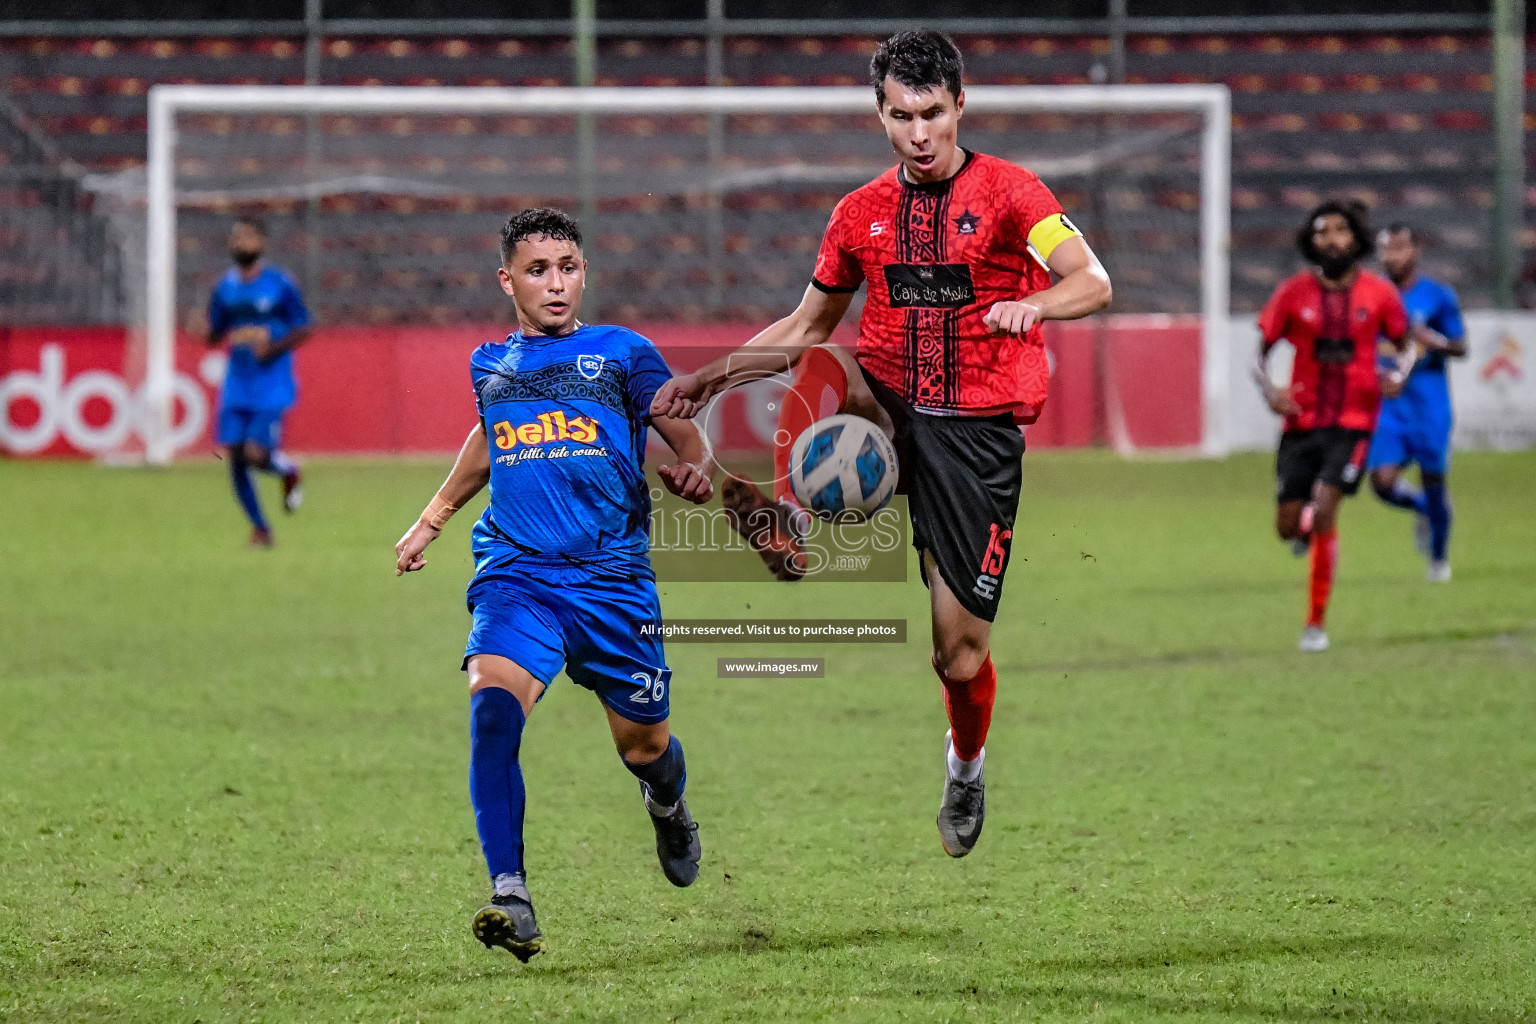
(1493, 389)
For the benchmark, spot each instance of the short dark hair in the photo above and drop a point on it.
(253, 222)
(540, 220)
(1355, 215)
(918, 59)
(1400, 227)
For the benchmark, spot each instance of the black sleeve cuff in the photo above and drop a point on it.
(831, 290)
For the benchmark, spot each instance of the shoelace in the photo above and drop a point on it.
(679, 839)
(970, 798)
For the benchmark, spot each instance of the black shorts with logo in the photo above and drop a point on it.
(962, 476)
(1332, 455)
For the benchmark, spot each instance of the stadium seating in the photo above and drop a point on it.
(59, 262)
(1401, 121)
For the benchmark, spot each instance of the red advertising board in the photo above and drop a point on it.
(73, 392)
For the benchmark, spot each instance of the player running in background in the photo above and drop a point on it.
(957, 249)
(562, 573)
(257, 309)
(1416, 425)
(1334, 316)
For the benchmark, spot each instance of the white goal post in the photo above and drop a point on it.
(1211, 103)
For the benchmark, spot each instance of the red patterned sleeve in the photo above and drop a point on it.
(837, 265)
(1276, 315)
(1030, 204)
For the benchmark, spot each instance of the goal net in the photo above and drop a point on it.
(699, 205)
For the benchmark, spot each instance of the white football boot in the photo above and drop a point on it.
(1313, 638)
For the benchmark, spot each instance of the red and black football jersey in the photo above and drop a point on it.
(1335, 334)
(936, 258)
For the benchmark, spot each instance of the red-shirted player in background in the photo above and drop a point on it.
(1335, 316)
(954, 247)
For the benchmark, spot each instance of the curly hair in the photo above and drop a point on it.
(918, 59)
(1355, 215)
(540, 220)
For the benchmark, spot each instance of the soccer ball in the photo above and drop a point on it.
(843, 464)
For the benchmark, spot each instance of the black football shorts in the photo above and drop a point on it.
(962, 476)
(1332, 455)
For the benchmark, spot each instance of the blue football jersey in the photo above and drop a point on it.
(1426, 399)
(1433, 304)
(566, 422)
(271, 299)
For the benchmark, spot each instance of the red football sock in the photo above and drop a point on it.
(1325, 557)
(969, 704)
(820, 389)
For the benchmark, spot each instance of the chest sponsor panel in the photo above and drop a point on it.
(548, 436)
(546, 428)
(929, 285)
(1334, 350)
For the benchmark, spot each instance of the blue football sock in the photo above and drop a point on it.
(1402, 494)
(496, 722)
(1438, 509)
(245, 491)
(666, 776)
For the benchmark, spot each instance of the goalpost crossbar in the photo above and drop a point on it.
(1211, 102)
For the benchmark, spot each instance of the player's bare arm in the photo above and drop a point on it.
(775, 349)
(471, 472)
(1395, 379)
(258, 339)
(692, 477)
(249, 336)
(1082, 287)
(1281, 400)
(268, 350)
(1431, 340)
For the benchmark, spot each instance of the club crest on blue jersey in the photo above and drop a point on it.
(589, 366)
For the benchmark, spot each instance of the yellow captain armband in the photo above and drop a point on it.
(1045, 236)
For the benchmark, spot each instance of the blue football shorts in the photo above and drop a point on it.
(261, 426)
(600, 622)
(1400, 440)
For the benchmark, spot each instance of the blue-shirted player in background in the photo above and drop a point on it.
(258, 310)
(562, 571)
(1416, 425)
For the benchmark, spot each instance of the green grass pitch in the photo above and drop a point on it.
(232, 782)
